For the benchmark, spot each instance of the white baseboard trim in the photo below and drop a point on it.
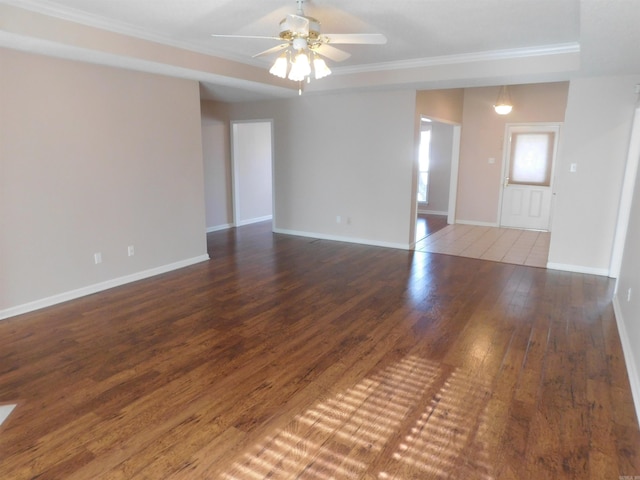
(603, 272)
(335, 238)
(477, 224)
(432, 212)
(254, 220)
(97, 287)
(217, 228)
(629, 360)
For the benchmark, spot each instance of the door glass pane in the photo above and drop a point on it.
(531, 155)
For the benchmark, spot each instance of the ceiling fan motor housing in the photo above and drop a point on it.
(286, 33)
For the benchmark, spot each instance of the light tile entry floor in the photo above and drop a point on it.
(507, 245)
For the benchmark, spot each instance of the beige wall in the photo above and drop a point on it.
(595, 137)
(444, 105)
(217, 165)
(94, 159)
(479, 181)
(347, 155)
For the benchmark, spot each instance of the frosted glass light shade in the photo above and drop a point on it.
(279, 68)
(503, 105)
(320, 68)
(300, 67)
(503, 109)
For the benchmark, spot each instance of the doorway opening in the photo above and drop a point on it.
(252, 171)
(438, 149)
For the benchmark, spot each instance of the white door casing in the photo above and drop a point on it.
(527, 188)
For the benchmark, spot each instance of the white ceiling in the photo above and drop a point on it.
(425, 38)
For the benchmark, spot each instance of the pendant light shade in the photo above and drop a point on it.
(320, 68)
(300, 67)
(279, 68)
(503, 105)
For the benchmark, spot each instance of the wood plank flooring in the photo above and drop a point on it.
(286, 357)
(427, 224)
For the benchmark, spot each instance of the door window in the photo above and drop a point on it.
(531, 158)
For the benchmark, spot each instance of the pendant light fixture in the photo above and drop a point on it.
(503, 105)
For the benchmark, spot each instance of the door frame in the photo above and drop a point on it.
(235, 177)
(506, 152)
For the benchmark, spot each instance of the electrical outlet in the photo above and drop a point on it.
(338, 219)
(629, 295)
(130, 251)
(573, 168)
(97, 258)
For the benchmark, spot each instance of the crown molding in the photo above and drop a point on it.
(493, 55)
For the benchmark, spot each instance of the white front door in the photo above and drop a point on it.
(527, 186)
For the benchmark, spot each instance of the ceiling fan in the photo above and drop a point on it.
(303, 46)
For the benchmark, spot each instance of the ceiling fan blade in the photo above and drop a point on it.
(275, 49)
(245, 36)
(332, 53)
(355, 38)
(298, 24)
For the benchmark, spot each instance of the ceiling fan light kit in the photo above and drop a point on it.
(305, 46)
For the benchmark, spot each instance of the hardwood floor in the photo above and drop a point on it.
(288, 357)
(427, 224)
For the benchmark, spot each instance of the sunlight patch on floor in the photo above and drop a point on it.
(330, 439)
(340, 437)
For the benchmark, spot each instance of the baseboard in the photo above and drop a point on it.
(629, 360)
(254, 220)
(477, 224)
(603, 272)
(217, 228)
(335, 238)
(98, 287)
(433, 212)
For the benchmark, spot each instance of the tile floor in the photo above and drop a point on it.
(522, 247)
